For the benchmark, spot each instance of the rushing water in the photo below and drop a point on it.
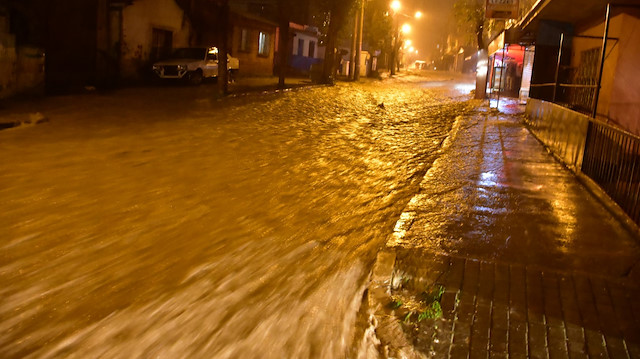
(140, 227)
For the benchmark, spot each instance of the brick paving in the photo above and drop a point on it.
(532, 265)
(508, 310)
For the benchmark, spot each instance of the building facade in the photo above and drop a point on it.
(21, 62)
(563, 58)
(150, 30)
(581, 73)
(74, 45)
(253, 43)
(305, 49)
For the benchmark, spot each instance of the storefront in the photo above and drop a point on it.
(507, 61)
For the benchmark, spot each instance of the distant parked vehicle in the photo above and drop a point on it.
(194, 64)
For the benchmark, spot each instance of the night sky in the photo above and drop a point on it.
(432, 28)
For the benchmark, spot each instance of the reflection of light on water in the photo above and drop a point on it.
(506, 105)
(565, 212)
(465, 88)
(433, 84)
(489, 210)
(488, 179)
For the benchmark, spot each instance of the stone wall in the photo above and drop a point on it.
(21, 68)
(139, 20)
(8, 62)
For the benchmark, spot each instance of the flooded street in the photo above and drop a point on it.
(164, 224)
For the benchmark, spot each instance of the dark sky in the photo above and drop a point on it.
(429, 30)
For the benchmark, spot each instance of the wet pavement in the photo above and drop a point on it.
(529, 262)
(500, 196)
(162, 222)
(166, 223)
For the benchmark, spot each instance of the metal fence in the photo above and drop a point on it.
(612, 160)
(560, 129)
(607, 155)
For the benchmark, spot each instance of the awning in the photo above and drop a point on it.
(566, 11)
(512, 36)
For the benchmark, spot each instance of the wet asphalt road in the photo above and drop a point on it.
(160, 223)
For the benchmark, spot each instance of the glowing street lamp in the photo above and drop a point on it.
(395, 5)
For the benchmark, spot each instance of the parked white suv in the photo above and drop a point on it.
(194, 64)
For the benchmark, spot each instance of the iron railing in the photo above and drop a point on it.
(612, 160)
(574, 96)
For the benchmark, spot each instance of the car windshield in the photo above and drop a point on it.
(189, 53)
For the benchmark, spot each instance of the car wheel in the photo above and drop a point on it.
(195, 77)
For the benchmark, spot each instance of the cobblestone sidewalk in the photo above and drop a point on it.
(530, 263)
(501, 310)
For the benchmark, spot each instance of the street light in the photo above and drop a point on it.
(395, 5)
(358, 42)
(406, 28)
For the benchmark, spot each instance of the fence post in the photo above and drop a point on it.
(555, 87)
(602, 59)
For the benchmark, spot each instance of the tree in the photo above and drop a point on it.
(223, 49)
(288, 11)
(469, 16)
(334, 17)
(378, 25)
(472, 25)
(211, 18)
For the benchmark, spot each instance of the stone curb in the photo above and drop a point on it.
(270, 92)
(393, 340)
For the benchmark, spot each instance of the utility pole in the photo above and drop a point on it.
(354, 42)
(394, 50)
(360, 21)
(283, 42)
(223, 50)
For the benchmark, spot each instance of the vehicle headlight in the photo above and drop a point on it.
(182, 67)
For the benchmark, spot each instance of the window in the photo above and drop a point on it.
(300, 47)
(586, 74)
(312, 49)
(161, 44)
(263, 44)
(244, 40)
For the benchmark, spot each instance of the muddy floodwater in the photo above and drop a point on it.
(161, 223)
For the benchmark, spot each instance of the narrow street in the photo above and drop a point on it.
(161, 223)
